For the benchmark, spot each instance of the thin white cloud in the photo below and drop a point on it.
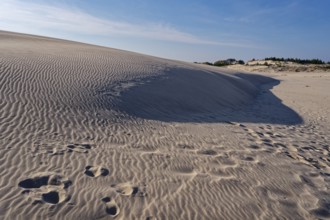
(16, 15)
(253, 15)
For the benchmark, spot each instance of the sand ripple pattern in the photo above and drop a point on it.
(70, 149)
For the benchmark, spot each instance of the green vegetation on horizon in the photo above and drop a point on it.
(295, 60)
(232, 61)
(225, 62)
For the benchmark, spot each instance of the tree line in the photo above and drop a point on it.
(232, 61)
(227, 62)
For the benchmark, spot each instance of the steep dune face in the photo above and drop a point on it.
(88, 132)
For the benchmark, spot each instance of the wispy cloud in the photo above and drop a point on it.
(257, 14)
(19, 15)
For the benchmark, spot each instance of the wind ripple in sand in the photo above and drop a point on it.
(66, 108)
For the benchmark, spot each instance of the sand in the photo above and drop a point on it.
(89, 132)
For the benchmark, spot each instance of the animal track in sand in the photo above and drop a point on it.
(112, 208)
(95, 171)
(46, 187)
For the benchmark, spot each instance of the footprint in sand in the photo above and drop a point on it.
(126, 189)
(80, 148)
(56, 149)
(236, 124)
(247, 158)
(254, 147)
(95, 171)
(46, 187)
(44, 179)
(185, 147)
(112, 208)
(53, 197)
(207, 152)
(225, 160)
(221, 174)
(184, 170)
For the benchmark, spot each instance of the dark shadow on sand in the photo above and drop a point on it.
(146, 102)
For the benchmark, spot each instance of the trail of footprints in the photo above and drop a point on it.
(51, 188)
(55, 149)
(306, 144)
(302, 143)
(221, 161)
(123, 189)
(46, 187)
(310, 148)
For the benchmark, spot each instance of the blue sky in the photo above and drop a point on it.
(193, 30)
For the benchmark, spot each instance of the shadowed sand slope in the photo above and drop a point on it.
(190, 95)
(88, 132)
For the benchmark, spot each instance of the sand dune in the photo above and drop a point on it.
(88, 132)
(269, 66)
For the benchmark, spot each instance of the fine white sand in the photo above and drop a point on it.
(88, 132)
